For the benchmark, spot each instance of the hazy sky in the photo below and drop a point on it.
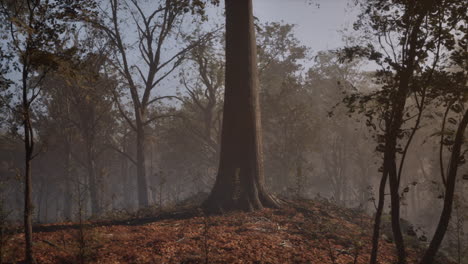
(317, 27)
(318, 22)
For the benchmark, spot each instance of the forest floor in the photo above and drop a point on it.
(301, 232)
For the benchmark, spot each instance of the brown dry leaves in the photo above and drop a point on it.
(303, 232)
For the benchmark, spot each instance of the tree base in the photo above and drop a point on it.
(219, 202)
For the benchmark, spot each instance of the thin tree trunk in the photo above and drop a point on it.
(208, 123)
(444, 220)
(142, 181)
(395, 211)
(68, 180)
(46, 206)
(39, 202)
(95, 206)
(92, 179)
(240, 181)
(57, 210)
(127, 178)
(29, 148)
(378, 218)
(393, 124)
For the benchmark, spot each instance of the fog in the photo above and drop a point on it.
(121, 110)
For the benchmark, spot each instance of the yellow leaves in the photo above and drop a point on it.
(21, 25)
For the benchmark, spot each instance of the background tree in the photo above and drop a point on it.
(287, 121)
(32, 30)
(154, 29)
(451, 86)
(88, 110)
(203, 85)
(406, 51)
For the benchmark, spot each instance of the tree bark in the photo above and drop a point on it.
(393, 125)
(378, 218)
(29, 149)
(444, 220)
(68, 193)
(92, 182)
(142, 181)
(240, 181)
(390, 161)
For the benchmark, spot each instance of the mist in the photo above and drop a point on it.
(123, 114)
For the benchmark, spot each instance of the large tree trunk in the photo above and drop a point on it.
(449, 194)
(240, 181)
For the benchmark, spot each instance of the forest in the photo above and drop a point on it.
(203, 131)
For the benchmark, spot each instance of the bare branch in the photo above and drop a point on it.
(121, 153)
(156, 117)
(164, 97)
